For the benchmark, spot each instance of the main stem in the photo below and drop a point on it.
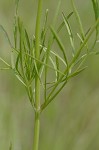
(37, 81)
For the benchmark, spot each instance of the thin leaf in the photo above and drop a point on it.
(18, 77)
(5, 68)
(56, 55)
(78, 20)
(96, 8)
(62, 24)
(5, 62)
(21, 38)
(96, 12)
(50, 42)
(43, 34)
(81, 59)
(17, 61)
(16, 3)
(56, 14)
(77, 72)
(15, 36)
(6, 35)
(75, 58)
(60, 44)
(48, 66)
(57, 65)
(49, 99)
(84, 42)
(70, 33)
(12, 60)
(37, 71)
(80, 37)
(27, 39)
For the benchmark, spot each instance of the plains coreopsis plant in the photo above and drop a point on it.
(32, 58)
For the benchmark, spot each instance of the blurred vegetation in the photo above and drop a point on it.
(70, 123)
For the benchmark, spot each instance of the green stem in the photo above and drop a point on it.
(37, 81)
(36, 131)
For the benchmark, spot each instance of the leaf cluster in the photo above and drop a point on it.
(26, 66)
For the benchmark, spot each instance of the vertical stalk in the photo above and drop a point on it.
(37, 81)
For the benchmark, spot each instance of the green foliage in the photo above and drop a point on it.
(32, 58)
(96, 12)
(26, 66)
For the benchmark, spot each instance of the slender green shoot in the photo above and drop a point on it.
(34, 58)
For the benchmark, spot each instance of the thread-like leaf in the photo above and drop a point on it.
(96, 12)
(27, 39)
(17, 61)
(81, 59)
(84, 42)
(62, 24)
(57, 65)
(70, 33)
(74, 59)
(50, 41)
(96, 8)
(43, 34)
(18, 77)
(5, 68)
(15, 36)
(79, 22)
(60, 44)
(56, 13)
(5, 62)
(77, 72)
(6, 35)
(56, 55)
(78, 19)
(16, 4)
(49, 99)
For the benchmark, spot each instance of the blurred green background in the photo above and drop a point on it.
(71, 122)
